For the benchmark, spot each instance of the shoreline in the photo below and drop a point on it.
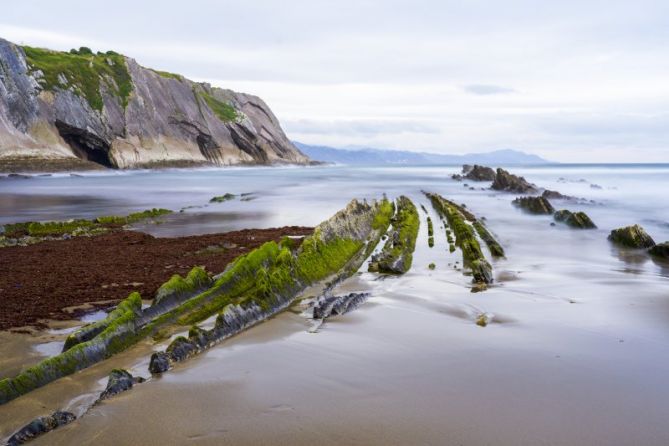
(34, 165)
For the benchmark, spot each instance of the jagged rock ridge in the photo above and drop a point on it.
(107, 109)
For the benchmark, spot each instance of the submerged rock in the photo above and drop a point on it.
(535, 205)
(479, 173)
(504, 181)
(579, 220)
(40, 426)
(222, 198)
(119, 381)
(632, 237)
(661, 250)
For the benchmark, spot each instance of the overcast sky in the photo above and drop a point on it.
(581, 81)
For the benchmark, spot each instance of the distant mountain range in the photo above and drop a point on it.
(368, 156)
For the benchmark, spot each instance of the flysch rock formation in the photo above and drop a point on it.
(105, 109)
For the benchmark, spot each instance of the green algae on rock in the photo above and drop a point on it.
(266, 280)
(465, 238)
(34, 232)
(260, 285)
(535, 205)
(179, 287)
(578, 220)
(397, 254)
(631, 237)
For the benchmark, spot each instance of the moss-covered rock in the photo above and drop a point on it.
(256, 286)
(534, 205)
(631, 237)
(661, 250)
(79, 227)
(397, 254)
(578, 220)
(465, 238)
(179, 288)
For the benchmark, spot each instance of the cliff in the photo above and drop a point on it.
(105, 109)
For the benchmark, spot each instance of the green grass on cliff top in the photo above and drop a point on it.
(84, 71)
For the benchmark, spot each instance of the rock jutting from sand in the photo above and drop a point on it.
(397, 253)
(263, 282)
(459, 220)
(40, 426)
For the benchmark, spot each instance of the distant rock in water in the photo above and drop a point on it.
(555, 195)
(632, 237)
(534, 205)
(504, 181)
(107, 110)
(479, 173)
(578, 220)
(661, 250)
(40, 426)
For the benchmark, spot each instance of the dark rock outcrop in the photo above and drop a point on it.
(505, 181)
(578, 220)
(337, 305)
(661, 250)
(534, 205)
(479, 173)
(119, 381)
(40, 426)
(632, 237)
(108, 110)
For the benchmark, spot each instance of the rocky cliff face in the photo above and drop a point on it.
(107, 109)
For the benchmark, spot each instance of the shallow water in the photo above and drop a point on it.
(576, 352)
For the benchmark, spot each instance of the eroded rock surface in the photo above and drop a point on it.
(40, 426)
(338, 305)
(119, 381)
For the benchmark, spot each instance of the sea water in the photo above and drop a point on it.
(576, 351)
